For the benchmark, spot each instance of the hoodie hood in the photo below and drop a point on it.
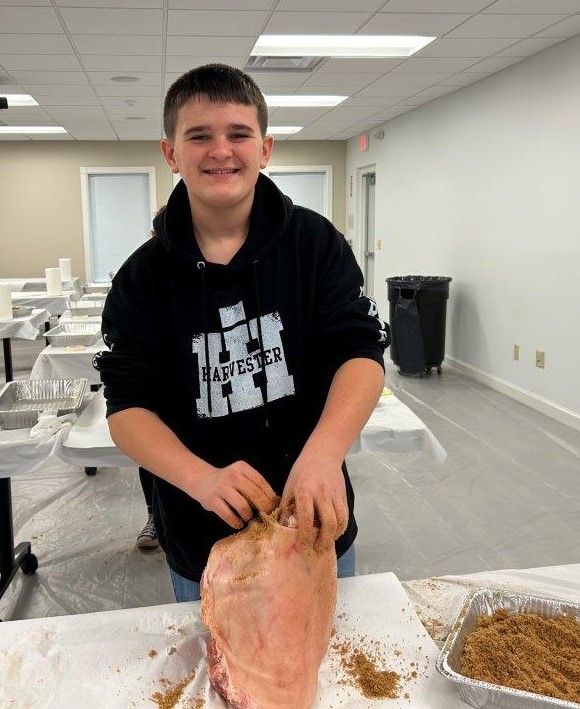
(271, 212)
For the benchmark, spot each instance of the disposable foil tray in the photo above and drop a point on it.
(86, 307)
(484, 694)
(22, 401)
(74, 333)
(96, 287)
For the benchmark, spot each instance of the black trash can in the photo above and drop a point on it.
(417, 311)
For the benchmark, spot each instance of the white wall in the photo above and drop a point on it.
(483, 185)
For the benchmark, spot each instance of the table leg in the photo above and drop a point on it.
(11, 559)
(46, 329)
(7, 358)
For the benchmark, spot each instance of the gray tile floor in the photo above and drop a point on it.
(506, 497)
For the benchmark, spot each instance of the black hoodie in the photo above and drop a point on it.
(295, 272)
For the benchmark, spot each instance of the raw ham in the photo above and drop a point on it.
(269, 604)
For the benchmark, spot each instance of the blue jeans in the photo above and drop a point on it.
(186, 590)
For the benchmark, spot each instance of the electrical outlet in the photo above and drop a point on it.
(540, 359)
(516, 352)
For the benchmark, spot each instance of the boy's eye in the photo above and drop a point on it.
(199, 137)
(239, 136)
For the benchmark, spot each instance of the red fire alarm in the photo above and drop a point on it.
(363, 142)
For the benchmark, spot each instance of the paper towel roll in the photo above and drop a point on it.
(65, 269)
(5, 301)
(53, 281)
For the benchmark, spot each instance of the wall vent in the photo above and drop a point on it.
(280, 64)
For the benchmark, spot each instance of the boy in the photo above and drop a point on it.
(244, 359)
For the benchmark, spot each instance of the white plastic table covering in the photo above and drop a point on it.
(118, 659)
(55, 304)
(17, 284)
(394, 427)
(68, 316)
(24, 327)
(67, 363)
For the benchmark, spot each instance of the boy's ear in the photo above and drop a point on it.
(267, 145)
(169, 154)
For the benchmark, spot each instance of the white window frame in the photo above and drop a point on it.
(326, 169)
(85, 174)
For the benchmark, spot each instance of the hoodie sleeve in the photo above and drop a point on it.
(348, 322)
(130, 368)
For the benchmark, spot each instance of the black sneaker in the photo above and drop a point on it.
(147, 538)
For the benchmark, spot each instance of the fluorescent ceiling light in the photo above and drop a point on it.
(31, 129)
(283, 130)
(287, 45)
(300, 101)
(20, 100)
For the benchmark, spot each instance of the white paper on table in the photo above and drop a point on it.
(118, 659)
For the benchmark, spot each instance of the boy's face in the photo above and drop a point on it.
(218, 150)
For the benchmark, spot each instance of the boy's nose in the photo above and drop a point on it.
(220, 149)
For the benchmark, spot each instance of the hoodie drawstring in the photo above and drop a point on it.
(264, 382)
(205, 329)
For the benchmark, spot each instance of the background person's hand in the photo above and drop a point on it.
(234, 493)
(316, 486)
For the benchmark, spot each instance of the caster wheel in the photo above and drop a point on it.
(29, 564)
(91, 471)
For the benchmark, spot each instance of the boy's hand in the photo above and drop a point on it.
(234, 493)
(316, 486)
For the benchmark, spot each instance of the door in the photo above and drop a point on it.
(369, 180)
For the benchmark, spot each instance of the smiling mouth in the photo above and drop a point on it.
(221, 171)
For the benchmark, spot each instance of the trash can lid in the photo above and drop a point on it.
(420, 282)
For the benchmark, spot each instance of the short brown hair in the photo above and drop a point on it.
(218, 82)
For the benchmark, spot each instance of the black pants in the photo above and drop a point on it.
(146, 479)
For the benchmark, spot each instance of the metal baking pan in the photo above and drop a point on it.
(484, 694)
(86, 307)
(74, 333)
(96, 288)
(22, 401)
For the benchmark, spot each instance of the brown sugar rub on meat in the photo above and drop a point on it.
(269, 604)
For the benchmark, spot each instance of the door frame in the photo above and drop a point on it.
(361, 206)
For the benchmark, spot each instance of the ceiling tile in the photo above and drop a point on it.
(76, 113)
(124, 45)
(492, 64)
(312, 22)
(221, 4)
(330, 5)
(504, 25)
(141, 103)
(40, 62)
(269, 79)
(112, 21)
(71, 101)
(406, 23)
(463, 47)
(210, 46)
(29, 20)
(181, 64)
(128, 90)
(442, 6)
(104, 78)
(535, 7)
(224, 22)
(34, 44)
(41, 90)
(565, 28)
(434, 65)
(338, 80)
(35, 3)
(115, 63)
(409, 78)
(50, 77)
(529, 46)
(126, 4)
(359, 65)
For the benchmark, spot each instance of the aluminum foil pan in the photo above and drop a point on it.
(484, 694)
(21, 311)
(74, 333)
(86, 307)
(22, 401)
(96, 287)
